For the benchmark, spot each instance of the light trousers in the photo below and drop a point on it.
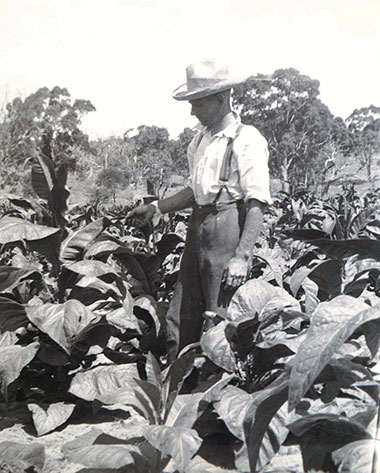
(212, 237)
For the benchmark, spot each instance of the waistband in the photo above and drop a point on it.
(218, 206)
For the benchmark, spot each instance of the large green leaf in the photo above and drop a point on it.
(178, 371)
(12, 315)
(138, 399)
(64, 323)
(48, 247)
(148, 304)
(341, 373)
(103, 453)
(292, 343)
(321, 434)
(355, 269)
(331, 324)
(361, 220)
(274, 437)
(152, 393)
(275, 264)
(147, 460)
(43, 176)
(364, 247)
(141, 266)
(186, 409)
(52, 355)
(103, 456)
(328, 277)
(22, 455)
(174, 378)
(101, 248)
(92, 268)
(258, 297)
(153, 371)
(216, 347)
(177, 442)
(298, 277)
(93, 282)
(123, 318)
(371, 331)
(355, 457)
(58, 197)
(167, 244)
(232, 408)
(264, 405)
(13, 229)
(75, 244)
(103, 381)
(311, 290)
(10, 277)
(18, 202)
(13, 359)
(43, 239)
(8, 339)
(47, 420)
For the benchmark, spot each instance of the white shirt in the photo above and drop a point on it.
(249, 176)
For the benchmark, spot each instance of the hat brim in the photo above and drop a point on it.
(182, 92)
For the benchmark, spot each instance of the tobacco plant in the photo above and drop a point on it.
(294, 362)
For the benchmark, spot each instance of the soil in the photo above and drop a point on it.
(16, 425)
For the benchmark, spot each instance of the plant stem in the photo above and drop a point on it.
(375, 457)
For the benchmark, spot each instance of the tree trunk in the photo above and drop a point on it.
(369, 168)
(285, 176)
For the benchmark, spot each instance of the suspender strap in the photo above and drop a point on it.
(225, 169)
(199, 139)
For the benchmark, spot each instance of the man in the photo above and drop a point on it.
(229, 189)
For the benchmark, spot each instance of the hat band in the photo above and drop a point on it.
(199, 83)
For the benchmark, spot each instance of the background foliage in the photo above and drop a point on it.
(307, 143)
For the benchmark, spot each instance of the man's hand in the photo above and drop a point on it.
(141, 216)
(236, 272)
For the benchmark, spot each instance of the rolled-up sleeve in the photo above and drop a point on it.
(251, 154)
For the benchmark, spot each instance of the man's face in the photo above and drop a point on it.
(206, 109)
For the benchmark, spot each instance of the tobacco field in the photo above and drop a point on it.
(83, 298)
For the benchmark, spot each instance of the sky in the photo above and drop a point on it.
(127, 56)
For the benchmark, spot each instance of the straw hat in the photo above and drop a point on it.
(205, 78)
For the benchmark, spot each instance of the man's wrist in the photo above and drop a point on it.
(157, 208)
(243, 255)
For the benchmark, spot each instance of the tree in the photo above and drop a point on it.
(46, 122)
(179, 150)
(111, 152)
(286, 109)
(364, 125)
(151, 153)
(110, 179)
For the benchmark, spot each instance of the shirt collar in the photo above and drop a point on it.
(228, 132)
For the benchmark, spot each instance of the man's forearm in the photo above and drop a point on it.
(252, 227)
(179, 201)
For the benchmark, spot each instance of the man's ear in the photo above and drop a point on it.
(220, 97)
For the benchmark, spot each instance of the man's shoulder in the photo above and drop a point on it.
(249, 133)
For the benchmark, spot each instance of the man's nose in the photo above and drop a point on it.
(192, 110)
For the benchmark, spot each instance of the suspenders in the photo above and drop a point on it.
(225, 169)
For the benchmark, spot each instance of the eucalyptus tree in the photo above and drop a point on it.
(286, 108)
(364, 125)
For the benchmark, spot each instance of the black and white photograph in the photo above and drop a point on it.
(189, 236)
